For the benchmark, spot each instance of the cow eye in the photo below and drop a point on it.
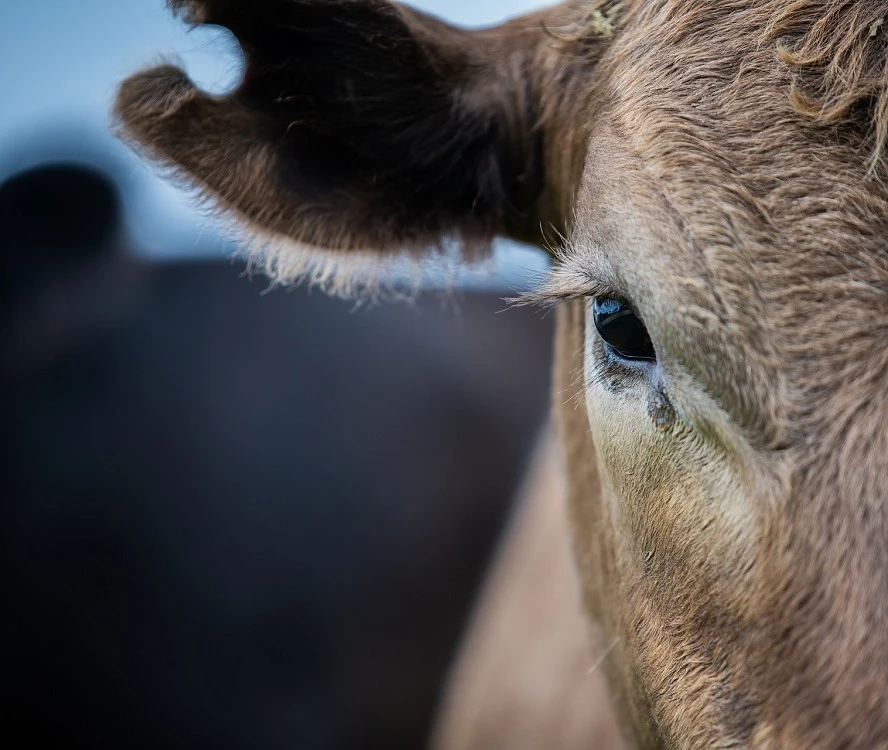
(621, 329)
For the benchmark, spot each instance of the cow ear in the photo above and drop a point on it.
(364, 129)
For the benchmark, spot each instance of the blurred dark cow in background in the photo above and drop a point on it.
(228, 522)
(714, 176)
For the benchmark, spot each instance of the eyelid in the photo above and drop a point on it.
(566, 283)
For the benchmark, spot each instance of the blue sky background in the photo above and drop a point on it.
(61, 59)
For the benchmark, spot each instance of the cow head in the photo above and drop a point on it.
(712, 174)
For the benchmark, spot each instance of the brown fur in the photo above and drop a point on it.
(719, 165)
(839, 52)
(372, 128)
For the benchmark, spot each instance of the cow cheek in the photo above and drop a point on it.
(637, 471)
(668, 493)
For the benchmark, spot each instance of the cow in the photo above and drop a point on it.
(710, 182)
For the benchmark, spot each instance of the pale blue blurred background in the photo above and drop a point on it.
(60, 61)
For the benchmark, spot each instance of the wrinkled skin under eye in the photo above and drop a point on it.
(622, 330)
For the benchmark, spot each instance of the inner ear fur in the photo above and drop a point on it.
(366, 126)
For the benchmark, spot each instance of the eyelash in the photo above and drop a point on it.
(563, 285)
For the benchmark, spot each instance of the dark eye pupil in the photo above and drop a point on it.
(621, 329)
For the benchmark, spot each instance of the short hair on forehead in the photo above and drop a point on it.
(836, 50)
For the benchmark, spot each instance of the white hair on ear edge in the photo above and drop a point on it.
(362, 276)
